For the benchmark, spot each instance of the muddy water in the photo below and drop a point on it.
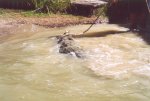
(116, 67)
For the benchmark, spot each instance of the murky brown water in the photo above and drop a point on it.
(116, 67)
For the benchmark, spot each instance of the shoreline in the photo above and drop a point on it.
(10, 20)
(45, 20)
(52, 22)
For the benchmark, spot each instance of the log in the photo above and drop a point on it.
(92, 3)
(86, 7)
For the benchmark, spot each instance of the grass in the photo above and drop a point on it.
(42, 19)
(23, 13)
(33, 14)
(56, 6)
(42, 7)
(101, 11)
(48, 6)
(1, 12)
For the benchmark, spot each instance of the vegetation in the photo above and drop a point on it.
(47, 13)
(54, 6)
(13, 13)
(49, 6)
(101, 11)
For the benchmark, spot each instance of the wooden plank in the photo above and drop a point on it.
(86, 7)
(93, 3)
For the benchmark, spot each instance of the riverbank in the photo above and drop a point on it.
(46, 20)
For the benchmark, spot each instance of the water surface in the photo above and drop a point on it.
(116, 67)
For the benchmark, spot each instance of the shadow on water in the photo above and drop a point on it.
(95, 34)
(143, 33)
(99, 34)
(145, 36)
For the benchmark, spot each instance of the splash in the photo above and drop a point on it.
(116, 66)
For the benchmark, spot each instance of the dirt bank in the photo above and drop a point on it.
(10, 20)
(42, 19)
(52, 21)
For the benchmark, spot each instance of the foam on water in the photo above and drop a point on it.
(116, 66)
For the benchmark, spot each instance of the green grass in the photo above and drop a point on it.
(56, 6)
(1, 12)
(22, 13)
(48, 6)
(33, 14)
(101, 11)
